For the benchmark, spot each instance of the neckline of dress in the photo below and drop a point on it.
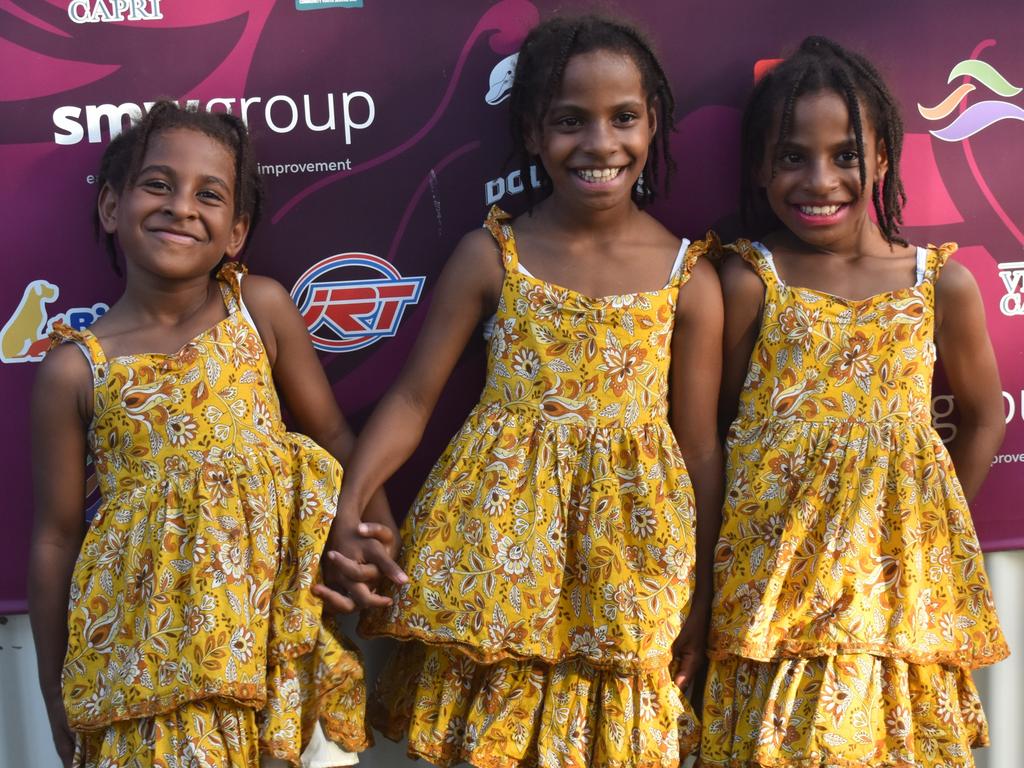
(890, 294)
(163, 355)
(677, 265)
(587, 297)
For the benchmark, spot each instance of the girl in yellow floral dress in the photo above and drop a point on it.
(550, 554)
(850, 601)
(180, 623)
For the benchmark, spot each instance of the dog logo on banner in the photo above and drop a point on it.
(24, 338)
(346, 315)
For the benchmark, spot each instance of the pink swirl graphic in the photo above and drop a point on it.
(986, 191)
(41, 75)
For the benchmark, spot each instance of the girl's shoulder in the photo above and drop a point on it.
(264, 294)
(954, 283)
(66, 375)
(742, 266)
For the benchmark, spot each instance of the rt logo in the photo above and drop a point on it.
(346, 315)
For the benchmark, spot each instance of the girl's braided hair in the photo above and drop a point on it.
(821, 64)
(539, 71)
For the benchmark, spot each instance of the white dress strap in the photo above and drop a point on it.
(678, 263)
(922, 265)
(769, 261)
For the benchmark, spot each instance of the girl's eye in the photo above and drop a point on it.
(209, 194)
(790, 158)
(156, 184)
(849, 157)
(568, 122)
(627, 117)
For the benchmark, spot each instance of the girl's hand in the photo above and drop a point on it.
(63, 737)
(379, 511)
(356, 558)
(688, 649)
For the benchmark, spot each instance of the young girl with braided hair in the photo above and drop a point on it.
(551, 616)
(179, 626)
(851, 601)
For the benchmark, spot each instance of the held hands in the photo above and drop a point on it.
(357, 557)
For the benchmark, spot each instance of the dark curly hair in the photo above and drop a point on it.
(821, 64)
(539, 71)
(123, 157)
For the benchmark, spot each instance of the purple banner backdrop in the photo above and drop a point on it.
(381, 128)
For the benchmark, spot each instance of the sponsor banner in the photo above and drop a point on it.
(382, 137)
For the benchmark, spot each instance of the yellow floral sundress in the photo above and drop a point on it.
(550, 551)
(851, 599)
(193, 636)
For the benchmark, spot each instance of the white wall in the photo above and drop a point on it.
(25, 737)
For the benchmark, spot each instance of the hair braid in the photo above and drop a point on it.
(123, 157)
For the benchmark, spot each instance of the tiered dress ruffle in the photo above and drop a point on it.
(851, 599)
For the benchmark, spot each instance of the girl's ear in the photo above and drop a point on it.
(881, 161)
(239, 231)
(106, 207)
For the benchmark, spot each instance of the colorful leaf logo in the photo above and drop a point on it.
(976, 117)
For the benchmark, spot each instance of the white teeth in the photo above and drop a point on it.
(819, 210)
(594, 175)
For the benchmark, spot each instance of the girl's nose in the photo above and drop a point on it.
(180, 204)
(600, 138)
(821, 176)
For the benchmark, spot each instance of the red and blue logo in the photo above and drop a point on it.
(346, 315)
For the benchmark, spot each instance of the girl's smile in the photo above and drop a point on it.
(821, 214)
(598, 175)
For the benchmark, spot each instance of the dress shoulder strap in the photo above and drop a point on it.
(936, 258)
(86, 341)
(757, 256)
(229, 276)
(710, 247)
(498, 224)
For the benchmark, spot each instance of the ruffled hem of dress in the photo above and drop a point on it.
(517, 713)
(325, 685)
(370, 629)
(202, 734)
(845, 711)
(816, 763)
(962, 658)
(247, 695)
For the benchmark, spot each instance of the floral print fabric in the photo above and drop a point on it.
(190, 601)
(550, 551)
(848, 571)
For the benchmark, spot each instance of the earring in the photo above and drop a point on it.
(639, 186)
